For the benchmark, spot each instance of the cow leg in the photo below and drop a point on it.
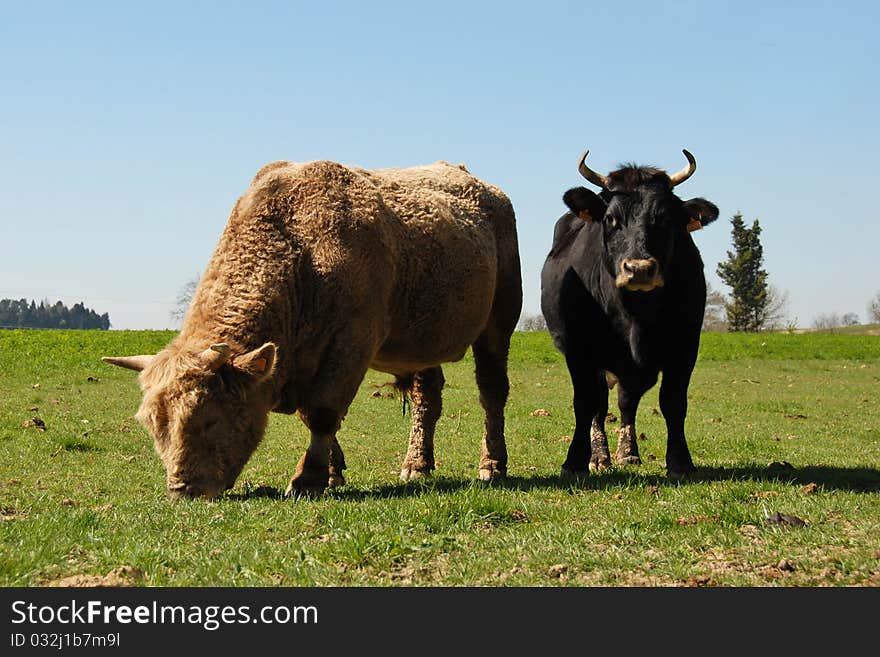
(589, 445)
(425, 393)
(673, 404)
(313, 470)
(309, 467)
(337, 464)
(627, 445)
(600, 459)
(490, 357)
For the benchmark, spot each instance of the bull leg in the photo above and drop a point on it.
(323, 461)
(490, 358)
(309, 466)
(337, 464)
(427, 402)
(589, 445)
(600, 459)
(627, 445)
(673, 404)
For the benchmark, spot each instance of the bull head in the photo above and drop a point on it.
(641, 219)
(206, 411)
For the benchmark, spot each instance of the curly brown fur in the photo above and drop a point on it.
(322, 272)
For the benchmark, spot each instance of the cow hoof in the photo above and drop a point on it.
(491, 473)
(678, 474)
(600, 465)
(335, 480)
(627, 460)
(304, 485)
(296, 492)
(413, 474)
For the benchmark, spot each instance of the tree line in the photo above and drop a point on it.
(22, 313)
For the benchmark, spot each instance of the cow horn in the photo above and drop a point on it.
(136, 363)
(680, 176)
(589, 174)
(216, 355)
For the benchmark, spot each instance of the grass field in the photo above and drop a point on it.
(777, 423)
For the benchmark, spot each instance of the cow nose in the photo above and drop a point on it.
(181, 494)
(182, 490)
(639, 274)
(642, 270)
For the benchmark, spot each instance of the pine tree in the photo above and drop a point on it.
(742, 272)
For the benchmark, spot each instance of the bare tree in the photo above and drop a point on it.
(827, 321)
(184, 298)
(715, 317)
(776, 316)
(532, 323)
(850, 319)
(831, 321)
(874, 309)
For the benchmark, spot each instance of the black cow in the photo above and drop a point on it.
(623, 293)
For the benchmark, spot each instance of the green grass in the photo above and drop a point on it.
(86, 495)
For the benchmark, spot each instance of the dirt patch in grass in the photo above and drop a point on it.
(121, 576)
(11, 513)
(693, 520)
(698, 581)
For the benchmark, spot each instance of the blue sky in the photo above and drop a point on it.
(127, 131)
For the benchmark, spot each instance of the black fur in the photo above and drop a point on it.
(636, 335)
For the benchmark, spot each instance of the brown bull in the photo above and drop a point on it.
(324, 271)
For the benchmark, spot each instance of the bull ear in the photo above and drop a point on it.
(259, 362)
(700, 212)
(136, 363)
(584, 203)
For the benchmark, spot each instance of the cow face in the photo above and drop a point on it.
(206, 412)
(641, 220)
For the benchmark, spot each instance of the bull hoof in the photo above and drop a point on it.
(413, 473)
(335, 481)
(492, 472)
(600, 464)
(307, 484)
(627, 460)
(297, 491)
(681, 472)
(568, 473)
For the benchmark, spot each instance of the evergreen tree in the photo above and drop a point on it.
(742, 272)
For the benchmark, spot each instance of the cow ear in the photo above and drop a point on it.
(584, 203)
(700, 212)
(259, 363)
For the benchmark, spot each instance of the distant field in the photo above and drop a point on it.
(786, 423)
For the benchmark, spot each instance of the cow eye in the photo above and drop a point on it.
(613, 221)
